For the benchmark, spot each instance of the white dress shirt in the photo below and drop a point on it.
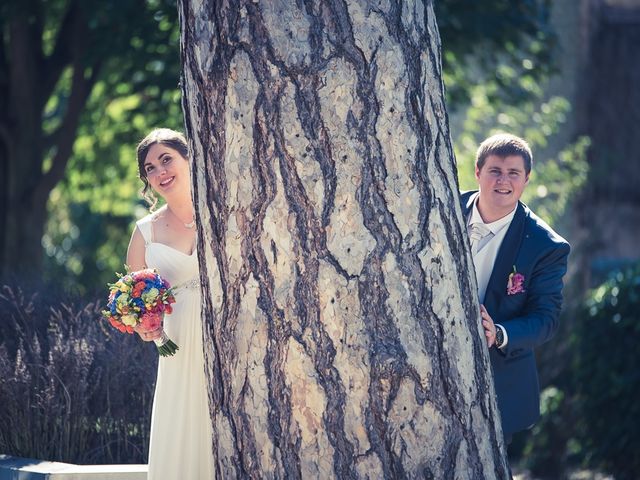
(485, 257)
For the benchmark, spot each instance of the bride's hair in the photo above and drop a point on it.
(164, 136)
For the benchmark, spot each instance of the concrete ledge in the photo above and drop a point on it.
(15, 468)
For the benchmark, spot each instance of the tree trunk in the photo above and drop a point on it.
(25, 220)
(340, 316)
(25, 212)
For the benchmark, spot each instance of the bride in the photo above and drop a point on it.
(181, 436)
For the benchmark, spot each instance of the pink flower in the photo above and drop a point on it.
(515, 283)
(146, 274)
(151, 321)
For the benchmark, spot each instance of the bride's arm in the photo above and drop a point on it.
(135, 252)
(135, 261)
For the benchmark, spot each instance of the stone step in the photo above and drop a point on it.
(16, 468)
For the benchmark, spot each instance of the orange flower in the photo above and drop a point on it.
(138, 288)
(114, 322)
(117, 324)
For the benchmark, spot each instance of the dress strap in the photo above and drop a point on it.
(145, 225)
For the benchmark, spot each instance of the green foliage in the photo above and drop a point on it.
(72, 388)
(607, 379)
(84, 246)
(505, 45)
(91, 211)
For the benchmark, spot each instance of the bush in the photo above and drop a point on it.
(607, 377)
(72, 389)
(545, 452)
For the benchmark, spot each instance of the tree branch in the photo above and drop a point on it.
(70, 35)
(64, 137)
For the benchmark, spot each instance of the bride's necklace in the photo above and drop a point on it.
(189, 225)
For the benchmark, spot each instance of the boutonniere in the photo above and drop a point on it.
(515, 283)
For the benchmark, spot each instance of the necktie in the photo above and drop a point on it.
(479, 235)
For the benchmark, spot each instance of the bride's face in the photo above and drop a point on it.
(167, 171)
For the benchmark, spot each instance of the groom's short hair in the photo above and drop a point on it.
(504, 145)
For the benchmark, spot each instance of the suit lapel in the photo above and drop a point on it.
(469, 205)
(505, 260)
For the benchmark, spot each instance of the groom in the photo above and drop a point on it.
(519, 262)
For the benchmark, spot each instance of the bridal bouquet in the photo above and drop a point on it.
(141, 298)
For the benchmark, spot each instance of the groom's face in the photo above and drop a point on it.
(502, 181)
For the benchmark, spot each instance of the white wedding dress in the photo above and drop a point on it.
(180, 445)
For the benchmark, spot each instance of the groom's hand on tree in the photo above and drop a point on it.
(489, 326)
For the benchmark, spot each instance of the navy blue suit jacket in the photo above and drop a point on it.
(531, 317)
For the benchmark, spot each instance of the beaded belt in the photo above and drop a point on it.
(193, 283)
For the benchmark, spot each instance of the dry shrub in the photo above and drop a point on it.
(72, 389)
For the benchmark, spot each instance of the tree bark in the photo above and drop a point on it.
(340, 316)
